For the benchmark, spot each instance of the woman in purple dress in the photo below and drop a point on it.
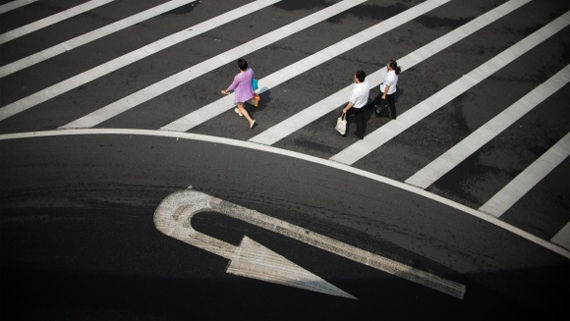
(243, 90)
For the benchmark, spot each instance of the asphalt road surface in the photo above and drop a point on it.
(110, 109)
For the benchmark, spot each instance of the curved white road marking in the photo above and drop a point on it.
(173, 217)
(174, 214)
(278, 151)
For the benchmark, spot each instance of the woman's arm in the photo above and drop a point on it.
(386, 88)
(232, 86)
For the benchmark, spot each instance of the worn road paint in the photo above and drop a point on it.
(173, 218)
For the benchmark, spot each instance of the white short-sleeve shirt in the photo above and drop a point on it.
(391, 80)
(359, 95)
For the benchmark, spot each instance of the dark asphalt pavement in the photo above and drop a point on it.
(79, 243)
(77, 239)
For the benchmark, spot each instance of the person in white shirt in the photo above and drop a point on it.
(358, 101)
(388, 89)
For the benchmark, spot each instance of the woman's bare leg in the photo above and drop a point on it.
(244, 112)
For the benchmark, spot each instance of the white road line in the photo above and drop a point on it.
(53, 19)
(129, 58)
(562, 238)
(173, 215)
(206, 66)
(89, 37)
(317, 110)
(395, 127)
(470, 144)
(316, 160)
(14, 5)
(223, 104)
(527, 179)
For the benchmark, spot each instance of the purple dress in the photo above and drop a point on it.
(242, 86)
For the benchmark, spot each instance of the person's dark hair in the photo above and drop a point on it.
(360, 75)
(394, 65)
(242, 64)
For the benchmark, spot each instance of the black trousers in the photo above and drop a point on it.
(390, 101)
(359, 119)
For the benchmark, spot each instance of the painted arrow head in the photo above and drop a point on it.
(254, 260)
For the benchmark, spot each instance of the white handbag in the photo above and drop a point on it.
(341, 124)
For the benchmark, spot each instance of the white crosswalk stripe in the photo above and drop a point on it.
(89, 37)
(385, 133)
(48, 21)
(470, 144)
(562, 238)
(515, 189)
(129, 58)
(12, 5)
(314, 112)
(223, 104)
(204, 67)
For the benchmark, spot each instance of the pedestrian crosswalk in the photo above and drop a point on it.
(401, 27)
(374, 140)
(14, 5)
(58, 17)
(279, 131)
(222, 105)
(512, 192)
(458, 153)
(126, 59)
(204, 67)
(89, 37)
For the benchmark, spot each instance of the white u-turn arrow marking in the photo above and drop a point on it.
(250, 259)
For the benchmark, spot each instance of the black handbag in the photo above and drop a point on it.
(382, 109)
